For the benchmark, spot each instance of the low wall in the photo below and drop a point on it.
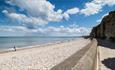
(88, 61)
(84, 59)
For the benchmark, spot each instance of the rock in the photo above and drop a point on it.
(106, 29)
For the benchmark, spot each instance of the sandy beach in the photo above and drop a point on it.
(40, 58)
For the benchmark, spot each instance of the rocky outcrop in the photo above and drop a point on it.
(106, 29)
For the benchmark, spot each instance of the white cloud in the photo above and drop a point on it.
(72, 10)
(23, 18)
(15, 29)
(65, 31)
(105, 15)
(99, 20)
(72, 30)
(91, 8)
(69, 12)
(96, 6)
(66, 16)
(5, 11)
(43, 10)
(109, 2)
(38, 12)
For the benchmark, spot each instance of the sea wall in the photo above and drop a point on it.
(106, 29)
(85, 59)
(88, 61)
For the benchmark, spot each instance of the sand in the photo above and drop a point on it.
(106, 53)
(40, 58)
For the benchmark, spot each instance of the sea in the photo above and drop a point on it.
(22, 42)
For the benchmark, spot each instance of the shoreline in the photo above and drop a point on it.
(41, 58)
(3, 51)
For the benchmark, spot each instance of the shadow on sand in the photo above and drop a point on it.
(109, 63)
(106, 43)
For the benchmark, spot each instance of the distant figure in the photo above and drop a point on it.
(14, 48)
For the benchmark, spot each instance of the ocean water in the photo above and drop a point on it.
(20, 42)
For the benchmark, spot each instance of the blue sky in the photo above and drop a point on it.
(51, 17)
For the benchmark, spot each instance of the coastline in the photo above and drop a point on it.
(43, 58)
(35, 46)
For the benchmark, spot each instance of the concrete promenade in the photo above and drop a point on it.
(83, 59)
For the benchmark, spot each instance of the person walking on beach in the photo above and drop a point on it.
(14, 48)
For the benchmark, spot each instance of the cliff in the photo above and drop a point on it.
(106, 29)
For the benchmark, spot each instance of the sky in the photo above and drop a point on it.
(52, 17)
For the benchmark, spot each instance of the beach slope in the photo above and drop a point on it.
(41, 58)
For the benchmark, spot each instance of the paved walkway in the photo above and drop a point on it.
(80, 59)
(107, 55)
(72, 60)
